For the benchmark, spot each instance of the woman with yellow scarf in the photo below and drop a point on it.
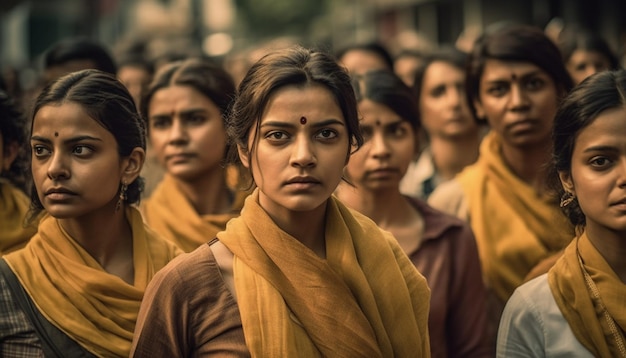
(75, 289)
(515, 80)
(185, 107)
(298, 273)
(14, 233)
(577, 309)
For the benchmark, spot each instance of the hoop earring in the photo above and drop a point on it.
(122, 198)
(567, 199)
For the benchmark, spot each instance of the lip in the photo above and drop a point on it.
(383, 172)
(302, 180)
(179, 156)
(59, 193)
(621, 202)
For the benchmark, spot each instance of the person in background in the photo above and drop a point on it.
(135, 72)
(185, 108)
(441, 246)
(362, 57)
(305, 276)
(406, 63)
(74, 290)
(585, 53)
(515, 80)
(577, 308)
(452, 132)
(14, 233)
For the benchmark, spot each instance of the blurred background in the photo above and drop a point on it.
(226, 29)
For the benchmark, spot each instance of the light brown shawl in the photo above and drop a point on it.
(69, 287)
(365, 300)
(597, 322)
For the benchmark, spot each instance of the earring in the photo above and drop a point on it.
(122, 196)
(567, 199)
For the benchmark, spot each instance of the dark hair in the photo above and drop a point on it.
(105, 100)
(13, 131)
(596, 94)
(387, 88)
(450, 55)
(295, 66)
(513, 43)
(371, 47)
(571, 40)
(79, 49)
(200, 74)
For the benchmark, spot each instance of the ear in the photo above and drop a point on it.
(567, 182)
(480, 111)
(131, 165)
(243, 156)
(10, 152)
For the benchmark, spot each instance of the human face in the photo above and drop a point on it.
(388, 148)
(186, 132)
(443, 104)
(297, 166)
(598, 172)
(405, 67)
(362, 61)
(519, 100)
(75, 163)
(135, 78)
(583, 64)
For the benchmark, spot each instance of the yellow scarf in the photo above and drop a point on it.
(365, 300)
(96, 309)
(590, 318)
(13, 208)
(170, 214)
(515, 227)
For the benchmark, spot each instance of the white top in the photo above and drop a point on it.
(532, 325)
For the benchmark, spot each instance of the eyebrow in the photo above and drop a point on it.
(506, 78)
(183, 113)
(67, 141)
(386, 125)
(323, 123)
(600, 148)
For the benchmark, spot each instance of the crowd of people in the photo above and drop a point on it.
(354, 203)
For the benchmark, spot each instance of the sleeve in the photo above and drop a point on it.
(468, 311)
(187, 311)
(521, 331)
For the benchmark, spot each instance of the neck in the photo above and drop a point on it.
(307, 227)
(451, 155)
(385, 207)
(528, 163)
(612, 247)
(208, 194)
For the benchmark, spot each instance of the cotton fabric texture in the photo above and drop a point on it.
(96, 309)
(591, 317)
(14, 234)
(365, 299)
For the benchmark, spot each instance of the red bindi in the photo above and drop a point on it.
(303, 120)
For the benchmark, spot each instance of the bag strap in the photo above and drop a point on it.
(54, 342)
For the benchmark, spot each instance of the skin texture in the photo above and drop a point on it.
(442, 102)
(583, 64)
(361, 61)
(387, 151)
(135, 78)
(405, 67)
(519, 100)
(187, 133)
(598, 180)
(297, 167)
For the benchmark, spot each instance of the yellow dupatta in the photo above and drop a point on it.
(596, 309)
(13, 208)
(169, 213)
(96, 309)
(365, 300)
(515, 227)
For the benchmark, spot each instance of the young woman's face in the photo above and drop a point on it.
(519, 100)
(598, 172)
(186, 132)
(300, 151)
(387, 151)
(583, 64)
(443, 105)
(75, 162)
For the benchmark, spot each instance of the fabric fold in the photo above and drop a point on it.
(14, 234)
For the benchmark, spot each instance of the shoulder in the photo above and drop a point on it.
(186, 269)
(450, 198)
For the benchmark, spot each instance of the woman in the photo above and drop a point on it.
(453, 133)
(14, 233)
(185, 107)
(304, 276)
(515, 80)
(577, 308)
(75, 289)
(440, 246)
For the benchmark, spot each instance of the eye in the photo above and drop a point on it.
(600, 162)
(366, 133)
(82, 150)
(497, 90)
(40, 150)
(326, 134)
(276, 136)
(160, 122)
(196, 118)
(535, 84)
(398, 131)
(438, 91)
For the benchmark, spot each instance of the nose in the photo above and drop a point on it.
(621, 180)
(58, 169)
(519, 98)
(379, 147)
(178, 134)
(455, 97)
(303, 154)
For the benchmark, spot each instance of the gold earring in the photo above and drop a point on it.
(122, 196)
(567, 199)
